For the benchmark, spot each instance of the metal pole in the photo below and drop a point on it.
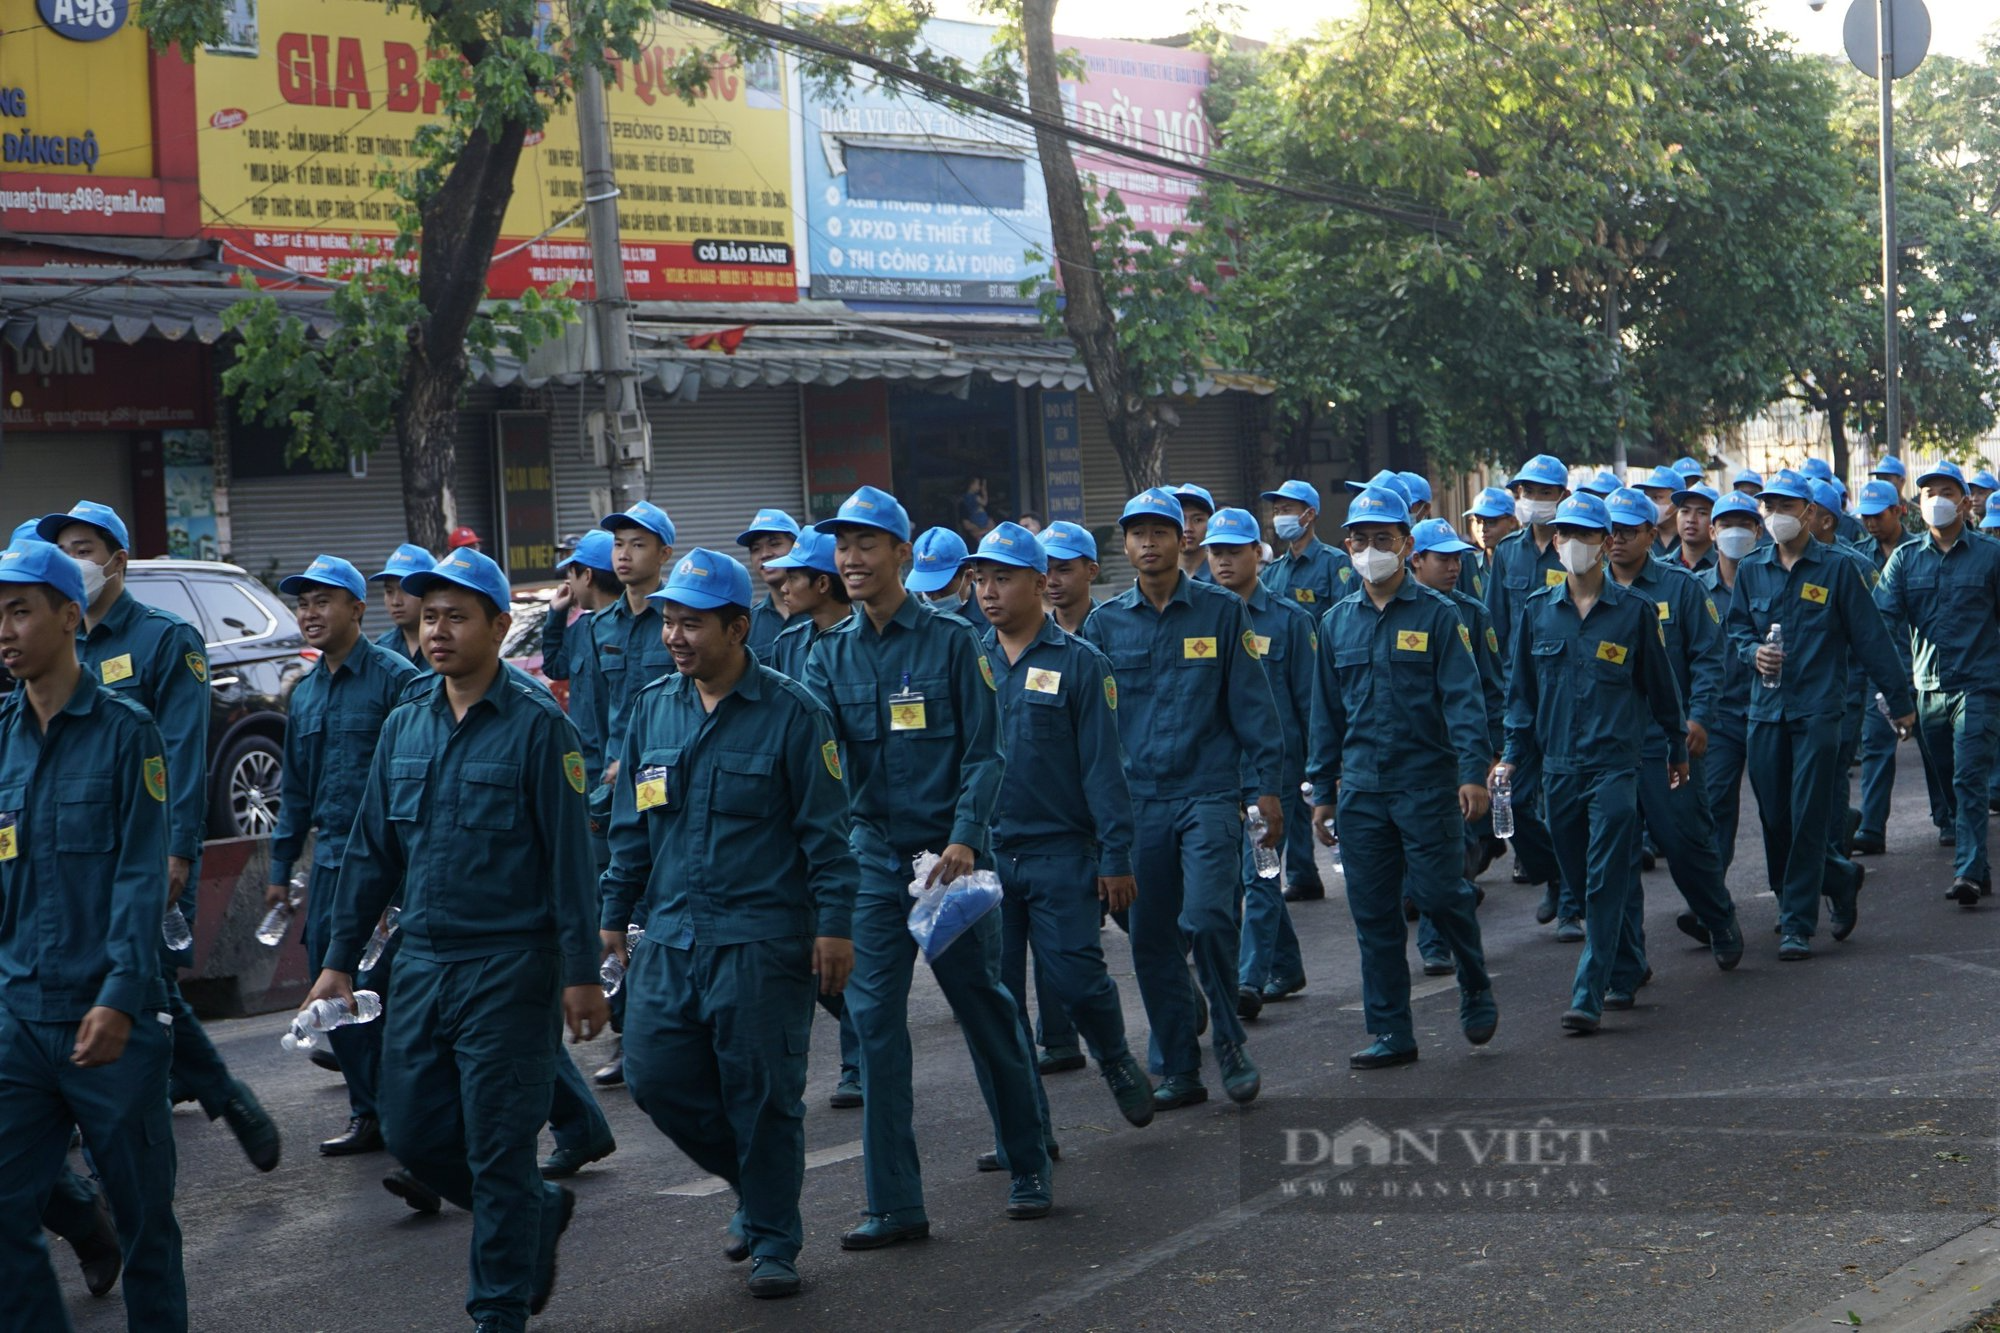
(624, 423)
(1617, 380)
(1892, 411)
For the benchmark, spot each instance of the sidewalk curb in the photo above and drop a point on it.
(1937, 1292)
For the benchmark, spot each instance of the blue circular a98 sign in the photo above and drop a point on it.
(84, 20)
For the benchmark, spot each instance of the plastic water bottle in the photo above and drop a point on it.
(278, 920)
(1501, 788)
(174, 929)
(325, 1015)
(612, 973)
(1882, 707)
(385, 930)
(1775, 639)
(1334, 851)
(1264, 858)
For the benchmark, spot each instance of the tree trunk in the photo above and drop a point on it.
(1138, 425)
(1836, 429)
(461, 225)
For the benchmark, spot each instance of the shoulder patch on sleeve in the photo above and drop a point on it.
(573, 770)
(156, 778)
(198, 666)
(1493, 637)
(1465, 637)
(829, 754)
(1713, 614)
(986, 673)
(1111, 693)
(1250, 644)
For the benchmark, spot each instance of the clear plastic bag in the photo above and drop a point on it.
(946, 911)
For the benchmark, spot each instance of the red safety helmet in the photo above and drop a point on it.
(462, 536)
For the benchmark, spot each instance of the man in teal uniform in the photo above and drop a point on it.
(1748, 481)
(87, 1039)
(1269, 964)
(1194, 708)
(1892, 470)
(1063, 833)
(1821, 605)
(1590, 673)
(1822, 522)
(630, 653)
(1398, 760)
(730, 820)
(771, 534)
(1661, 487)
(1073, 569)
(1197, 506)
(1881, 511)
(474, 810)
(158, 660)
(939, 576)
(1941, 592)
(913, 709)
(1689, 470)
(336, 716)
(1694, 510)
(1490, 521)
(406, 613)
(1739, 529)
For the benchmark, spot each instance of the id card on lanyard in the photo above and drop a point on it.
(906, 708)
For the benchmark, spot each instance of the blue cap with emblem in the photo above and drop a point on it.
(1435, 534)
(593, 551)
(1377, 504)
(1789, 484)
(814, 550)
(1943, 470)
(706, 580)
(1292, 488)
(25, 531)
(1891, 466)
(1233, 527)
(1696, 493)
(939, 553)
(1387, 480)
(1542, 470)
(405, 560)
(1748, 476)
(1660, 479)
(1064, 540)
(100, 516)
(1583, 511)
(1736, 502)
(769, 523)
(1877, 497)
(1416, 487)
(1601, 485)
(35, 561)
(1199, 494)
(1159, 502)
(327, 571)
(1491, 503)
(1984, 480)
(1816, 469)
(1992, 518)
(870, 507)
(1688, 470)
(1826, 495)
(645, 514)
(1628, 507)
(1012, 544)
(464, 568)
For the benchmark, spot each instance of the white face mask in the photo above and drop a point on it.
(1535, 511)
(947, 603)
(93, 580)
(1940, 511)
(1783, 528)
(1578, 555)
(1736, 542)
(1377, 566)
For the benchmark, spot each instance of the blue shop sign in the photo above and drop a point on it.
(84, 20)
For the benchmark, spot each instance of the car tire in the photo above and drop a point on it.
(247, 789)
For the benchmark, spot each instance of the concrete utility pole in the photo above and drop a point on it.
(627, 436)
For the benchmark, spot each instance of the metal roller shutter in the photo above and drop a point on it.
(46, 473)
(1207, 450)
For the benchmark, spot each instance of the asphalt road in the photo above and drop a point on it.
(1759, 1143)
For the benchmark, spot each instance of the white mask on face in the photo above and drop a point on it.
(1940, 511)
(1376, 566)
(1736, 542)
(1783, 527)
(93, 580)
(1535, 511)
(1578, 555)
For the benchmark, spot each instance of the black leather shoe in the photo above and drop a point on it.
(1060, 1061)
(1409, 909)
(253, 1127)
(1964, 892)
(611, 1074)
(1200, 1011)
(1867, 844)
(326, 1060)
(735, 1245)
(1545, 910)
(421, 1197)
(566, 1162)
(1249, 1002)
(1846, 909)
(1690, 926)
(990, 1159)
(98, 1252)
(1384, 1053)
(878, 1231)
(1438, 965)
(1304, 893)
(364, 1134)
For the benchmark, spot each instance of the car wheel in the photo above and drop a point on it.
(249, 787)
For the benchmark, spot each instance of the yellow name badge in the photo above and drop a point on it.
(10, 843)
(1613, 653)
(1201, 649)
(1813, 593)
(650, 788)
(1304, 595)
(906, 716)
(1666, 611)
(1414, 641)
(1260, 645)
(1551, 577)
(117, 668)
(1043, 681)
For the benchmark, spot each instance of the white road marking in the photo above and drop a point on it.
(707, 1185)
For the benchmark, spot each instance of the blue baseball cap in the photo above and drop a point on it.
(1583, 511)
(1601, 485)
(1750, 476)
(1190, 491)
(1493, 502)
(25, 531)
(327, 571)
(1685, 467)
(1984, 480)
(870, 507)
(1877, 496)
(1159, 502)
(1816, 469)
(1012, 544)
(705, 580)
(1377, 504)
(1233, 527)
(1826, 495)
(1789, 484)
(1661, 479)
(814, 550)
(939, 553)
(464, 568)
(1292, 488)
(1992, 518)
(100, 516)
(1628, 507)
(1063, 540)
(593, 551)
(1388, 480)
(769, 522)
(1736, 502)
(1435, 534)
(1542, 470)
(1943, 468)
(1699, 491)
(645, 514)
(35, 561)
(1891, 466)
(405, 560)
(1416, 487)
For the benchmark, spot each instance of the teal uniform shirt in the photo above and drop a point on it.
(1691, 628)
(1732, 696)
(1948, 604)
(83, 857)
(913, 710)
(1472, 575)
(569, 652)
(731, 823)
(392, 639)
(158, 661)
(1065, 789)
(630, 656)
(480, 824)
(1478, 622)
(1396, 704)
(1824, 609)
(1678, 560)
(766, 624)
(1287, 642)
(335, 719)
(1847, 528)
(1194, 704)
(1582, 688)
(793, 645)
(1520, 570)
(1315, 579)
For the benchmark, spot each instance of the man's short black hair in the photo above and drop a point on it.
(605, 581)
